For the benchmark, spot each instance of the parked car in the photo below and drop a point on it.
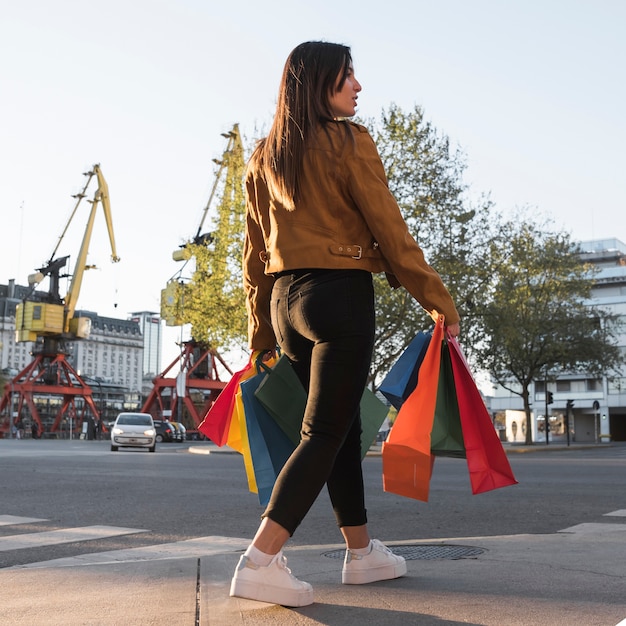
(175, 431)
(133, 430)
(180, 432)
(195, 435)
(164, 431)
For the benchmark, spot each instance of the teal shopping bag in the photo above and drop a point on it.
(270, 447)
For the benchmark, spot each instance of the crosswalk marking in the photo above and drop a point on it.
(198, 547)
(11, 520)
(65, 535)
(590, 528)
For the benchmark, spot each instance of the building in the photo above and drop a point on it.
(112, 354)
(597, 405)
(14, 357)
(150, 327)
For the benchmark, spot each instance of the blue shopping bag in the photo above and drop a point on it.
(270, 447)
(402, 377)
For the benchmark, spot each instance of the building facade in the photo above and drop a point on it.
(597, 406)
(14, 357)
(150, 327)
(113, 353)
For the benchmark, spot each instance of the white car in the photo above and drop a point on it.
(133, 430)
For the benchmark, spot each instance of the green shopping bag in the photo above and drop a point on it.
(446, 437)
(373, 413)
(284, 398)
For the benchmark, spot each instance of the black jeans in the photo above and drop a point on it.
(324, 323)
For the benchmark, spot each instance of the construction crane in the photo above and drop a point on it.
(189, 395)
(50, 321)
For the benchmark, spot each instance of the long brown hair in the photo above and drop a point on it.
(313, 71)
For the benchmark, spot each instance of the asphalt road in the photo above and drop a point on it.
(174, 495)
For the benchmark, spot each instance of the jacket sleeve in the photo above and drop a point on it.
(257, 285)
(369, 189)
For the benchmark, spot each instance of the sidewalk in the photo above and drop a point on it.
(208, 447)
(576, 576)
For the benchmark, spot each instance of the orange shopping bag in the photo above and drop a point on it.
(407, 457)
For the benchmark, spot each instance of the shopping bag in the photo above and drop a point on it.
(269, 446)
(407, 458)
(238, 440)
(216, 422)
(284, 398)
(402, 377)
(487, 462)
(373, 414)
(446, 436)
(236, 431)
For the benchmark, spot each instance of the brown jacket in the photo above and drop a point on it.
(346, 219)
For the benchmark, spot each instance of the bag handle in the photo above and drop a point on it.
(256, 359)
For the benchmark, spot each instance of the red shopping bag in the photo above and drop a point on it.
(216, 422)
(487, 462)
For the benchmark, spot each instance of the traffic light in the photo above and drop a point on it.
(550, 398)
(570, 405)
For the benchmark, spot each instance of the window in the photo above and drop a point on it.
(594, 384)
(563, 385)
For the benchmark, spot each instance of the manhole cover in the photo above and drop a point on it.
(423, 552)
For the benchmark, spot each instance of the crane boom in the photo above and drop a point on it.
(54, 320)
(102, 196)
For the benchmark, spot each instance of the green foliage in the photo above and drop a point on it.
(536, 316)
(213, 302)
(425, 176)
(522, 291)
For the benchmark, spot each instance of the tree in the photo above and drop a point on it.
(213, 300)
(537, 317)
(425, 177)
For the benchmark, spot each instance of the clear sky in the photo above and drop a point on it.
(532, 91)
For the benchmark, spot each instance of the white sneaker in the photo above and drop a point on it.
(274, 583)
(380, 564)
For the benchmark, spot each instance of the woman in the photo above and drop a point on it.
(320, 221)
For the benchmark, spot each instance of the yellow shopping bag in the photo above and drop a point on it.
(237, 433)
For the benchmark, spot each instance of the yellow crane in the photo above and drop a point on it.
(52, 318)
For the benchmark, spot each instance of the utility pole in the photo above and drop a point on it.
(568, 414)
(549, 400)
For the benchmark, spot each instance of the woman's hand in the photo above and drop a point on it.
(266, 355)
(454, 329)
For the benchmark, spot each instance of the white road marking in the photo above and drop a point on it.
(65, 535)
(620, 513)
(198, 547)
(11, 520)
(591, 529)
